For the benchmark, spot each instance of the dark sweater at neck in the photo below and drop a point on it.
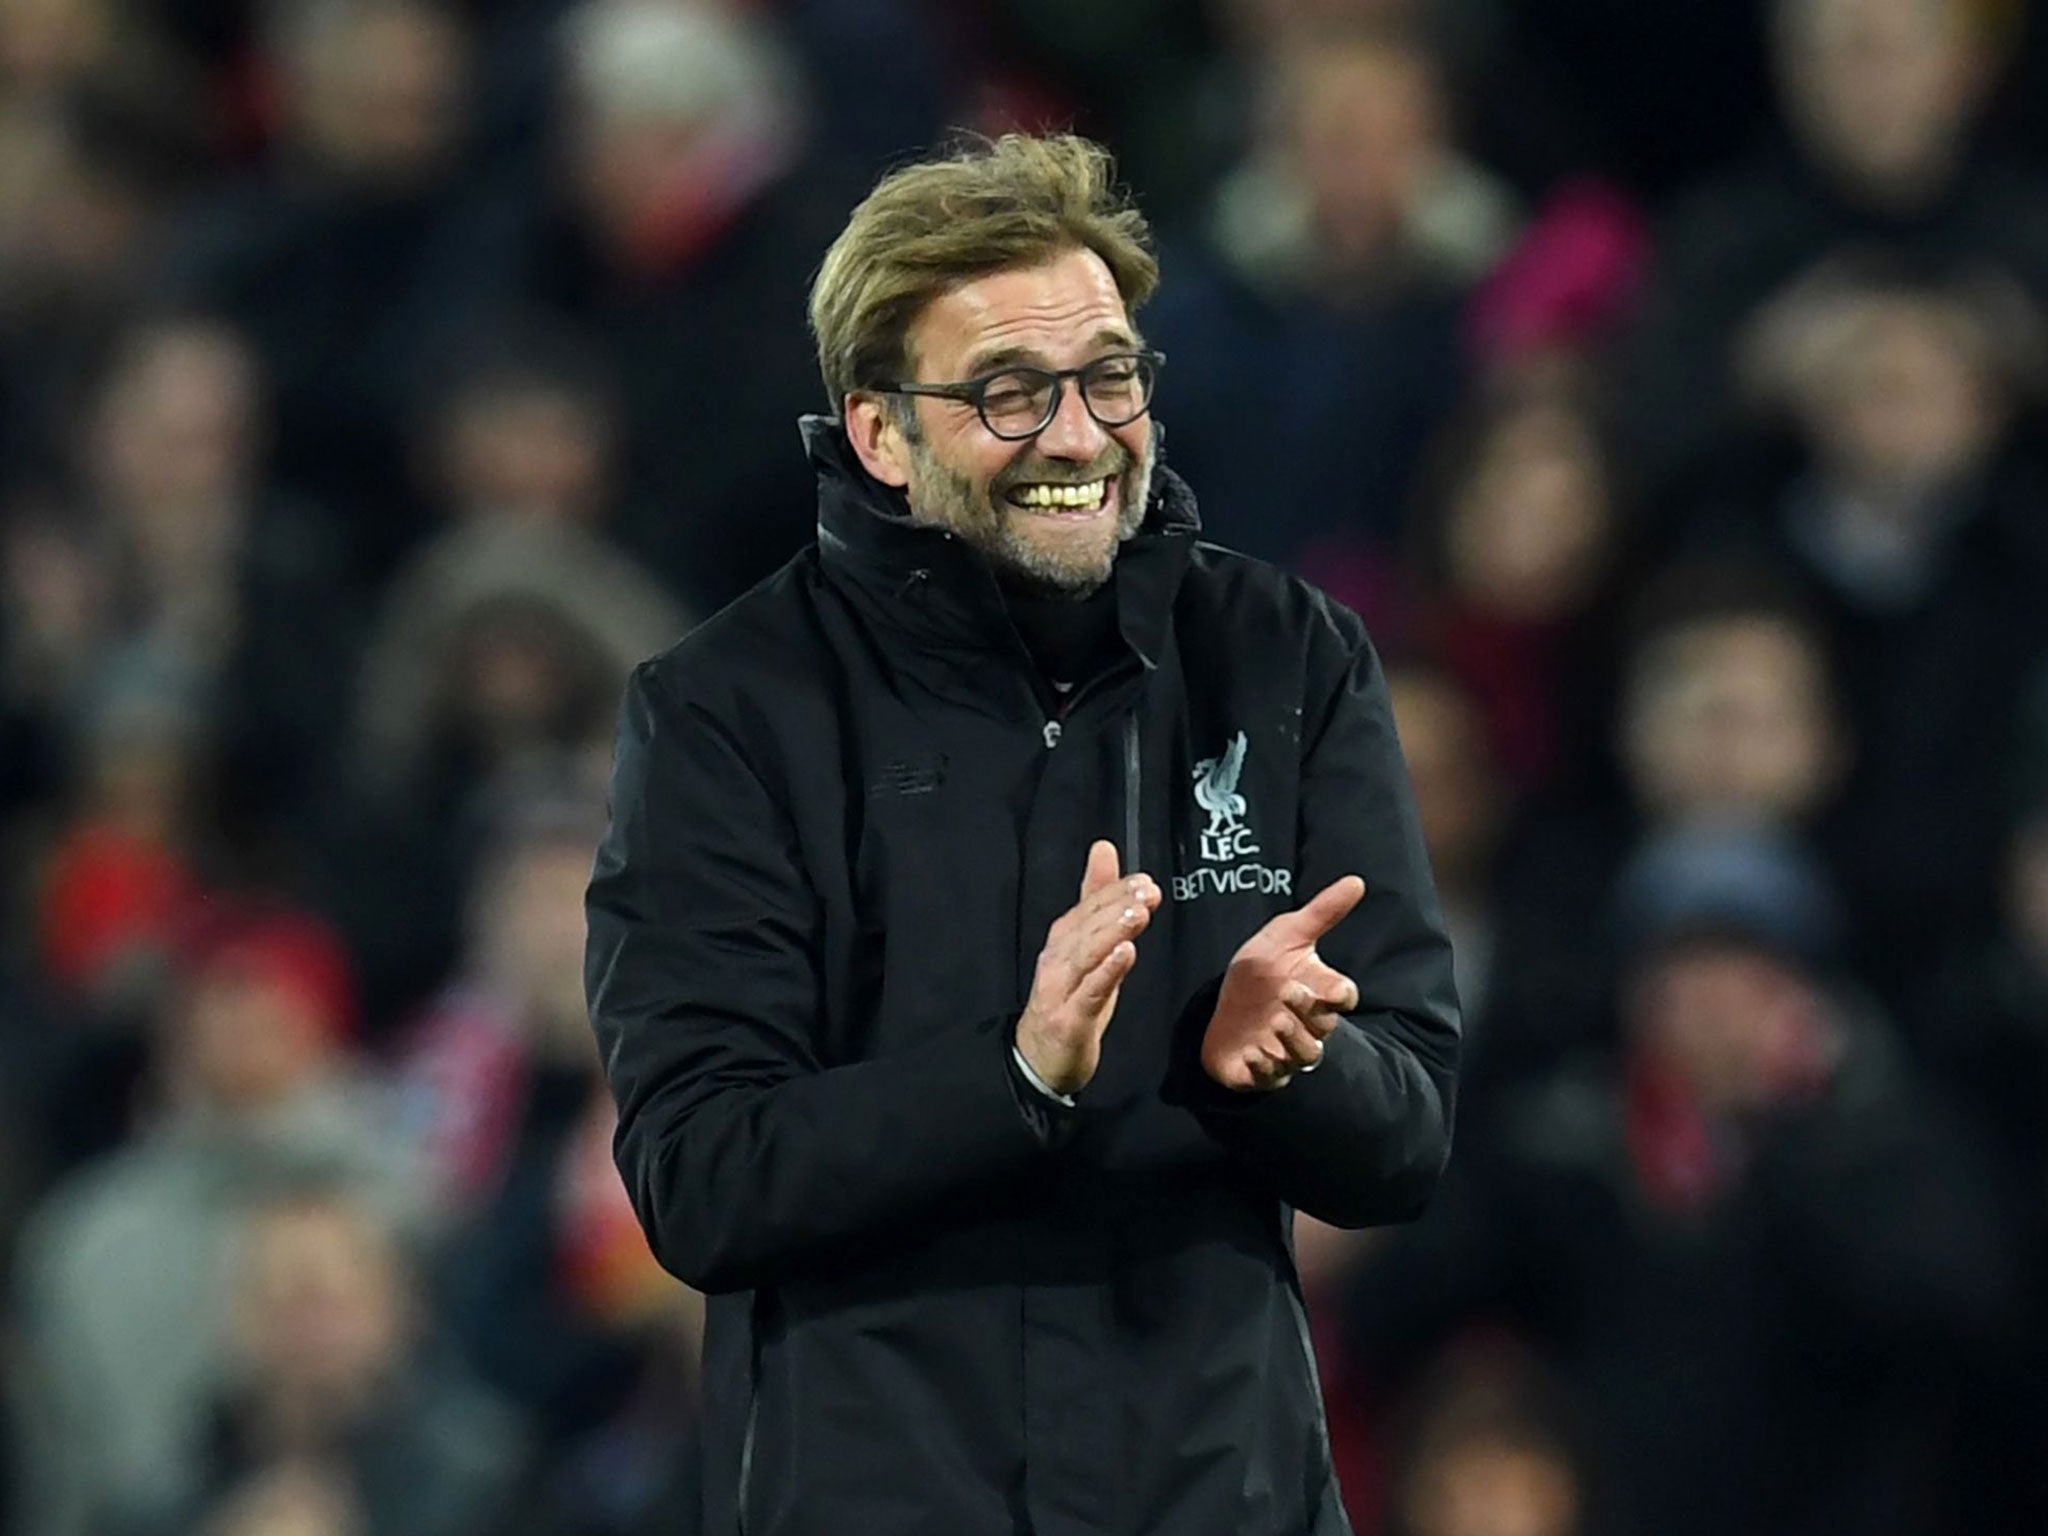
(1070, 638)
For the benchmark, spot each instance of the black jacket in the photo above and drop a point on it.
(843, 821)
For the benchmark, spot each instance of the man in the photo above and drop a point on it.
(990, 1183)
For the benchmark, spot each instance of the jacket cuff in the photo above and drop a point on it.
(1050, 1117)
(1045, 1089)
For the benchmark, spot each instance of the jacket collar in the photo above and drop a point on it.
(924, 580)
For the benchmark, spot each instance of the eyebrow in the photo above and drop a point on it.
(1111, 338)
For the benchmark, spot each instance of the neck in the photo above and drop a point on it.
(1900, 190)
(1071, 636)
(1025, 588)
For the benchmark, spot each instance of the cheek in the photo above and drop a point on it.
(1136, 440)
(970, 457)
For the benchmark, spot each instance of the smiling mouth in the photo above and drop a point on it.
(1070, 500)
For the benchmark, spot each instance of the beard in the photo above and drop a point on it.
(1007, 535)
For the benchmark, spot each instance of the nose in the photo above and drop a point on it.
(1072, 433)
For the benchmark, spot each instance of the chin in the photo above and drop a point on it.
(1056, 569)
(1063, 581)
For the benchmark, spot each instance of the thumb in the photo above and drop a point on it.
(1321, 912)
(1102, 868)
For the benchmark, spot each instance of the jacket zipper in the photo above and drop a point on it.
(1052, 731)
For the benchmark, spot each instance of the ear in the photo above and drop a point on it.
(877, 439)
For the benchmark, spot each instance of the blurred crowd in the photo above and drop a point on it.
(380, 379)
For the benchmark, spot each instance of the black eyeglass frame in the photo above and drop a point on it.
(974, 391)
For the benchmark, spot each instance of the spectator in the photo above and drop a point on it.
(121, 1319)
(1909, 513)
(1489, 1451)
(1514, 556)
(1756, 1251)
(511, 1029)
(1336, 260)
(1880, 97)
(335, 1374)
(525, 432)
(551, 1291)
(478, 669)
(689, 196)
(521, 453)
(1525, 105)
(346, 256)
(83, 198)
(176, 563)
(1729, 711)
(508, 636)
(54, 50)
(114, 898)
(1728, 716)
(1464, 808)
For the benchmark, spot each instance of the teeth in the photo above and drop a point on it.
(1089, 495)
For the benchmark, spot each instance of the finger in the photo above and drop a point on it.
(1099, 986)
(1102, 869)
(1119, 909)
(1238, 1076)
(1303, 1047)
(1322, 912)
(1136, 889)
(1256, 1067)
(1318, 1019)
(1123, 907)
(1270, 1069)
(1128, 905)
(1106, 927)
(1328, 986)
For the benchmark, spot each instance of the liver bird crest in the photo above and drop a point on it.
(1216, 787)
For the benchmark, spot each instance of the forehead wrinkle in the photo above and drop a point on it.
(1108, 340)
(1048, 334)
(1046, 314)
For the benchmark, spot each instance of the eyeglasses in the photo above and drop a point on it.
(1019, 403)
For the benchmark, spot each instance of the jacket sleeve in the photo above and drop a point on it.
(746, 1157)
(1363, 1138)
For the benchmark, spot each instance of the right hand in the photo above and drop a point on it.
(1088, 952)
(1279, 1000)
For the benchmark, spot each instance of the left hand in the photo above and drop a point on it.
(1279, 1001)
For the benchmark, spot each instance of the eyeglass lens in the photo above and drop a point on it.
(1021, 401)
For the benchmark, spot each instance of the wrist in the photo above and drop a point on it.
(1050, 1116)
(1039, 1058)
(1036, 1082)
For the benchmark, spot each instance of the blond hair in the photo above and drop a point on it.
(927, 228)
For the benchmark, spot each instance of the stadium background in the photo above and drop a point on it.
(379, 378)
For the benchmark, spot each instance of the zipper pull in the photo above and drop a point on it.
(1052, 734)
